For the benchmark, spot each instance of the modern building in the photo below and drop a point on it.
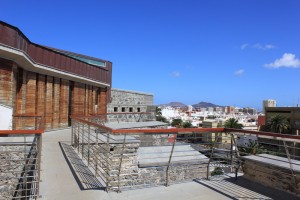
(190, 108)
(229, 110)
(291, 113)
(250, 111)
(268, 103)
(45, 81)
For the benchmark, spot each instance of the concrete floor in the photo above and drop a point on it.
(60, 181)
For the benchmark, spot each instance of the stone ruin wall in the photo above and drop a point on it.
(11, 168)
(272, 176)
(134, 176)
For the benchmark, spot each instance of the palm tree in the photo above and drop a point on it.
(158, 111)
(177, 123)
(233, 123)
(253, 147)
(278, 124)
(187, 125)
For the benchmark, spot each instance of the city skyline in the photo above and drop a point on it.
(228, 53)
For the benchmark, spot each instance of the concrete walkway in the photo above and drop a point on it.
(64, 176)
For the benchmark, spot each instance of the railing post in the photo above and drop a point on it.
(121, 159)
(107, 162)
(290, 162)
(82, 139)
(97, 153)
(169, 162)
(89, 146)
(72, 133)
(210, 158)
(39, 150)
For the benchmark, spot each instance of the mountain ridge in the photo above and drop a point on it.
(201, 104)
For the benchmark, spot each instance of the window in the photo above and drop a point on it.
(138, 109)
(123, 109)
(130, 109)
(115, 109)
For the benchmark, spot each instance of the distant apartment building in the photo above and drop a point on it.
(229, 110)
(251, 111)
(218, 109)
(291, 113)
(268, 103)
(49, 82)
(211, 137)
(130, 101)
(210, 109)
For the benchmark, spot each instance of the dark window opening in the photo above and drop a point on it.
(96, 97)
(130, 109)
(123, 109)
(138, 109)
(115, 109)
(71, 88)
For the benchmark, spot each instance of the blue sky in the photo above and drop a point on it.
(228, 52)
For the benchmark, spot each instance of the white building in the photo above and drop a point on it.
(190, 108)
(170, 113)
(268, 103)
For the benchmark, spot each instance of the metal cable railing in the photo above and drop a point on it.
(136, 158)
(20, 158)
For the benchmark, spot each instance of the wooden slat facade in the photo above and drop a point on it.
(55, 98)
(48, 96)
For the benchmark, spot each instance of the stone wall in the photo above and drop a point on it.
(12, 168)
(272, 173)
(130, 101)
(134, 176)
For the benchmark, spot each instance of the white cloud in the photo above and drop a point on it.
(175, 74)
(239, 72)
(244, 46)
(258, 46)
(287, 60)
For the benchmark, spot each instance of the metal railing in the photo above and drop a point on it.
(28, 122)
(123, 117)
(132, 158)
(20, 158)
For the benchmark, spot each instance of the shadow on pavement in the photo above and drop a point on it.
(244, 189)
(82, 174)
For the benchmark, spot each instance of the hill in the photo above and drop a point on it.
(205, 105)
(174, 104)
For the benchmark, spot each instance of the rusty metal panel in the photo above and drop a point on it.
(13, 37)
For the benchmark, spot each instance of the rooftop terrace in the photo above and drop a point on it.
(95, 161)
(66, 176)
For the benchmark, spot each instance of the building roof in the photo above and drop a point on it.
(160, 155)
(15, 46)
(132, 125)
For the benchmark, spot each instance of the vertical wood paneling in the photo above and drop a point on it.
(30, 96)
(6, 83)
(78, 99)
(64, 103)
(49, 102)
(41, 83)
(102, 101)
(56, 105)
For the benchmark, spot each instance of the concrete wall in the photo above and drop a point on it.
(5, 118)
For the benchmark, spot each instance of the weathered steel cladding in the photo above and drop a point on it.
(12, 36)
